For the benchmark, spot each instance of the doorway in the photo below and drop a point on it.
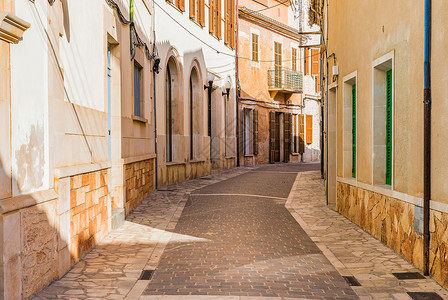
(279, 137)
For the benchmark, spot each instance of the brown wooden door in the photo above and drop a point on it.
(274, 137)
(277, 138)
(287, 136)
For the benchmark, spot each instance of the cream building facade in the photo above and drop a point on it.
(375, 124)
(195, 133)
(77, 150)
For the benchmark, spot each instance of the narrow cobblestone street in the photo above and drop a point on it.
(246, 233)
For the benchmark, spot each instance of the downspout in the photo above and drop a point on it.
(154, 72)
(427, 138)
(237, 88)
(326, 100)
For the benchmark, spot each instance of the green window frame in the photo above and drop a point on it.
(389, 128)
(354, 131)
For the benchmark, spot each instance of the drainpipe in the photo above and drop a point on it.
(427, 138)
(155, 70)
(237, 87)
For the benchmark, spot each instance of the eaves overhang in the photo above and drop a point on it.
(270, 24)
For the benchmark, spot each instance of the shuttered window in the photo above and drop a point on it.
(278, 63)
(215, 18)
(294, 59)
(137, 89)
(229, 34)
(354, 131)
(196, 9)
(301, 133)
(309, 129)
(254, 47)
(315, 62)
(389, 128)
(201, 13)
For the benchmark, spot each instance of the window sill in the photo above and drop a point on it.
(196, 161)
(139, 119)
(249, 155)
(230, 157)
(174, 163)
(384, 186)
(196, 22)
(174, 6)
(295, 154)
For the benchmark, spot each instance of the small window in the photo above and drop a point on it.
(294, 59)
(137, 90)
(254, 47)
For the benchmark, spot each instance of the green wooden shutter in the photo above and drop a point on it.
(389, 129)
(354, 131)
(255, 131)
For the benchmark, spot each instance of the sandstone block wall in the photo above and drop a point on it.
(392, 221)
(88, 212)
(139, 178)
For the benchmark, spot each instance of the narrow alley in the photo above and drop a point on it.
(261, 232)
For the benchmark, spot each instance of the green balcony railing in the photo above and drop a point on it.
(285, 79)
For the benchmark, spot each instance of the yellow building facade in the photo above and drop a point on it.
(374, 115)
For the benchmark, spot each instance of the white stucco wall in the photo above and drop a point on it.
(29, 103)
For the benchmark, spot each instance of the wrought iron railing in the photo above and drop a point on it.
(285, 79)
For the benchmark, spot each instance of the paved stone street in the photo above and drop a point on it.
(246, 233)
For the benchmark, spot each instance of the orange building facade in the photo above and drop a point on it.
(274, 124)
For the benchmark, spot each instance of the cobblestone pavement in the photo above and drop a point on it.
(220, 239)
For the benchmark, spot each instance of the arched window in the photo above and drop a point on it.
(194, 112)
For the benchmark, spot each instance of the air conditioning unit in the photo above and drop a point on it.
(335, 70)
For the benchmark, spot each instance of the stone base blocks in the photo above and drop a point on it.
(88, 212)
(139, 181)
(392, 221)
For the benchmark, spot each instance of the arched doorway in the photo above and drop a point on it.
(173, 111)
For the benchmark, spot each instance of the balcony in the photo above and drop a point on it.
(286, 81)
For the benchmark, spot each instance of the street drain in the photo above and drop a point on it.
(424, 296)
(408, 275)
(352, 281)
(146, 275)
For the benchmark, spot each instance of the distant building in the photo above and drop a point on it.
(279, 95)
